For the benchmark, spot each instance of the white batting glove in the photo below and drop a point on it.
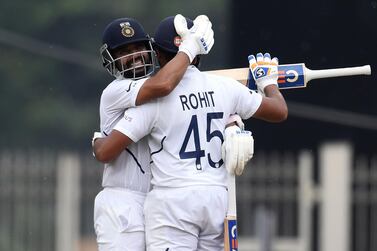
(237, 149)
(264, 70)
(197, 40)
(96, 135)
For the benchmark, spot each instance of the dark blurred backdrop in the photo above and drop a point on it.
(322, 34)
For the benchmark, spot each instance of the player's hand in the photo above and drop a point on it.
(197, 40)
(264, 70)
(237, 149)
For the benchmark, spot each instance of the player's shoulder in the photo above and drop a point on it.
(119, 86)
(192, 71)
(209, 79)
(116, 84)
(148, 110)
(221, 80)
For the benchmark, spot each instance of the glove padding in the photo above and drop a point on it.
(237, 149)
(197, 40)
(264, 70)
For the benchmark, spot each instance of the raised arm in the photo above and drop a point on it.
(165, 80)
(197, 40)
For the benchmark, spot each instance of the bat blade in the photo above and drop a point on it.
(293, 75)
(230, 222)
(239, 74)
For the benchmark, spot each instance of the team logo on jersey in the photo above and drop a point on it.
(127, 30)
(177, 41)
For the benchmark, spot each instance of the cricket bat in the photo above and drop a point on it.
(293, 75)
(230, 222)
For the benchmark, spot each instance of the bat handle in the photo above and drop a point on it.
(232, 205)
(339, 72)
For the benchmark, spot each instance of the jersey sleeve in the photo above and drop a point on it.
(246, 101)
(122, 94)
(138, 121)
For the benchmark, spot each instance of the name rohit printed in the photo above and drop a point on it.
(197, 100)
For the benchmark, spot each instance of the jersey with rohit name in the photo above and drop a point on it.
(131, 169)
(186, 128)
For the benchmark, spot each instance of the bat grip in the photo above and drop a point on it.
(339, 72)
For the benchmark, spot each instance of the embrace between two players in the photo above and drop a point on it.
(165, 179)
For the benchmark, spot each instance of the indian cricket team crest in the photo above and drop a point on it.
(177, 41)
(127, 30)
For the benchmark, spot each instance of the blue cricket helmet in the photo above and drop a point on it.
(165, 36)
(122, 32)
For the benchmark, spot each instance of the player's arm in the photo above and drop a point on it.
(195, 41)
(273, 107)
(136, 124)
(108, 148)
(165, 80)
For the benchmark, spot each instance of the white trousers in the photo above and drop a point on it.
(185, 219)
(119, 220)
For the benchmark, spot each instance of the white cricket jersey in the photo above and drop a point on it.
(131, 168)
(186, 128)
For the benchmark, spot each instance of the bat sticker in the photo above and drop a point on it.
(290, 76)
(232, 235)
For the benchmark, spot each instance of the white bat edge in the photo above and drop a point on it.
(337, 72)
(232, 204)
